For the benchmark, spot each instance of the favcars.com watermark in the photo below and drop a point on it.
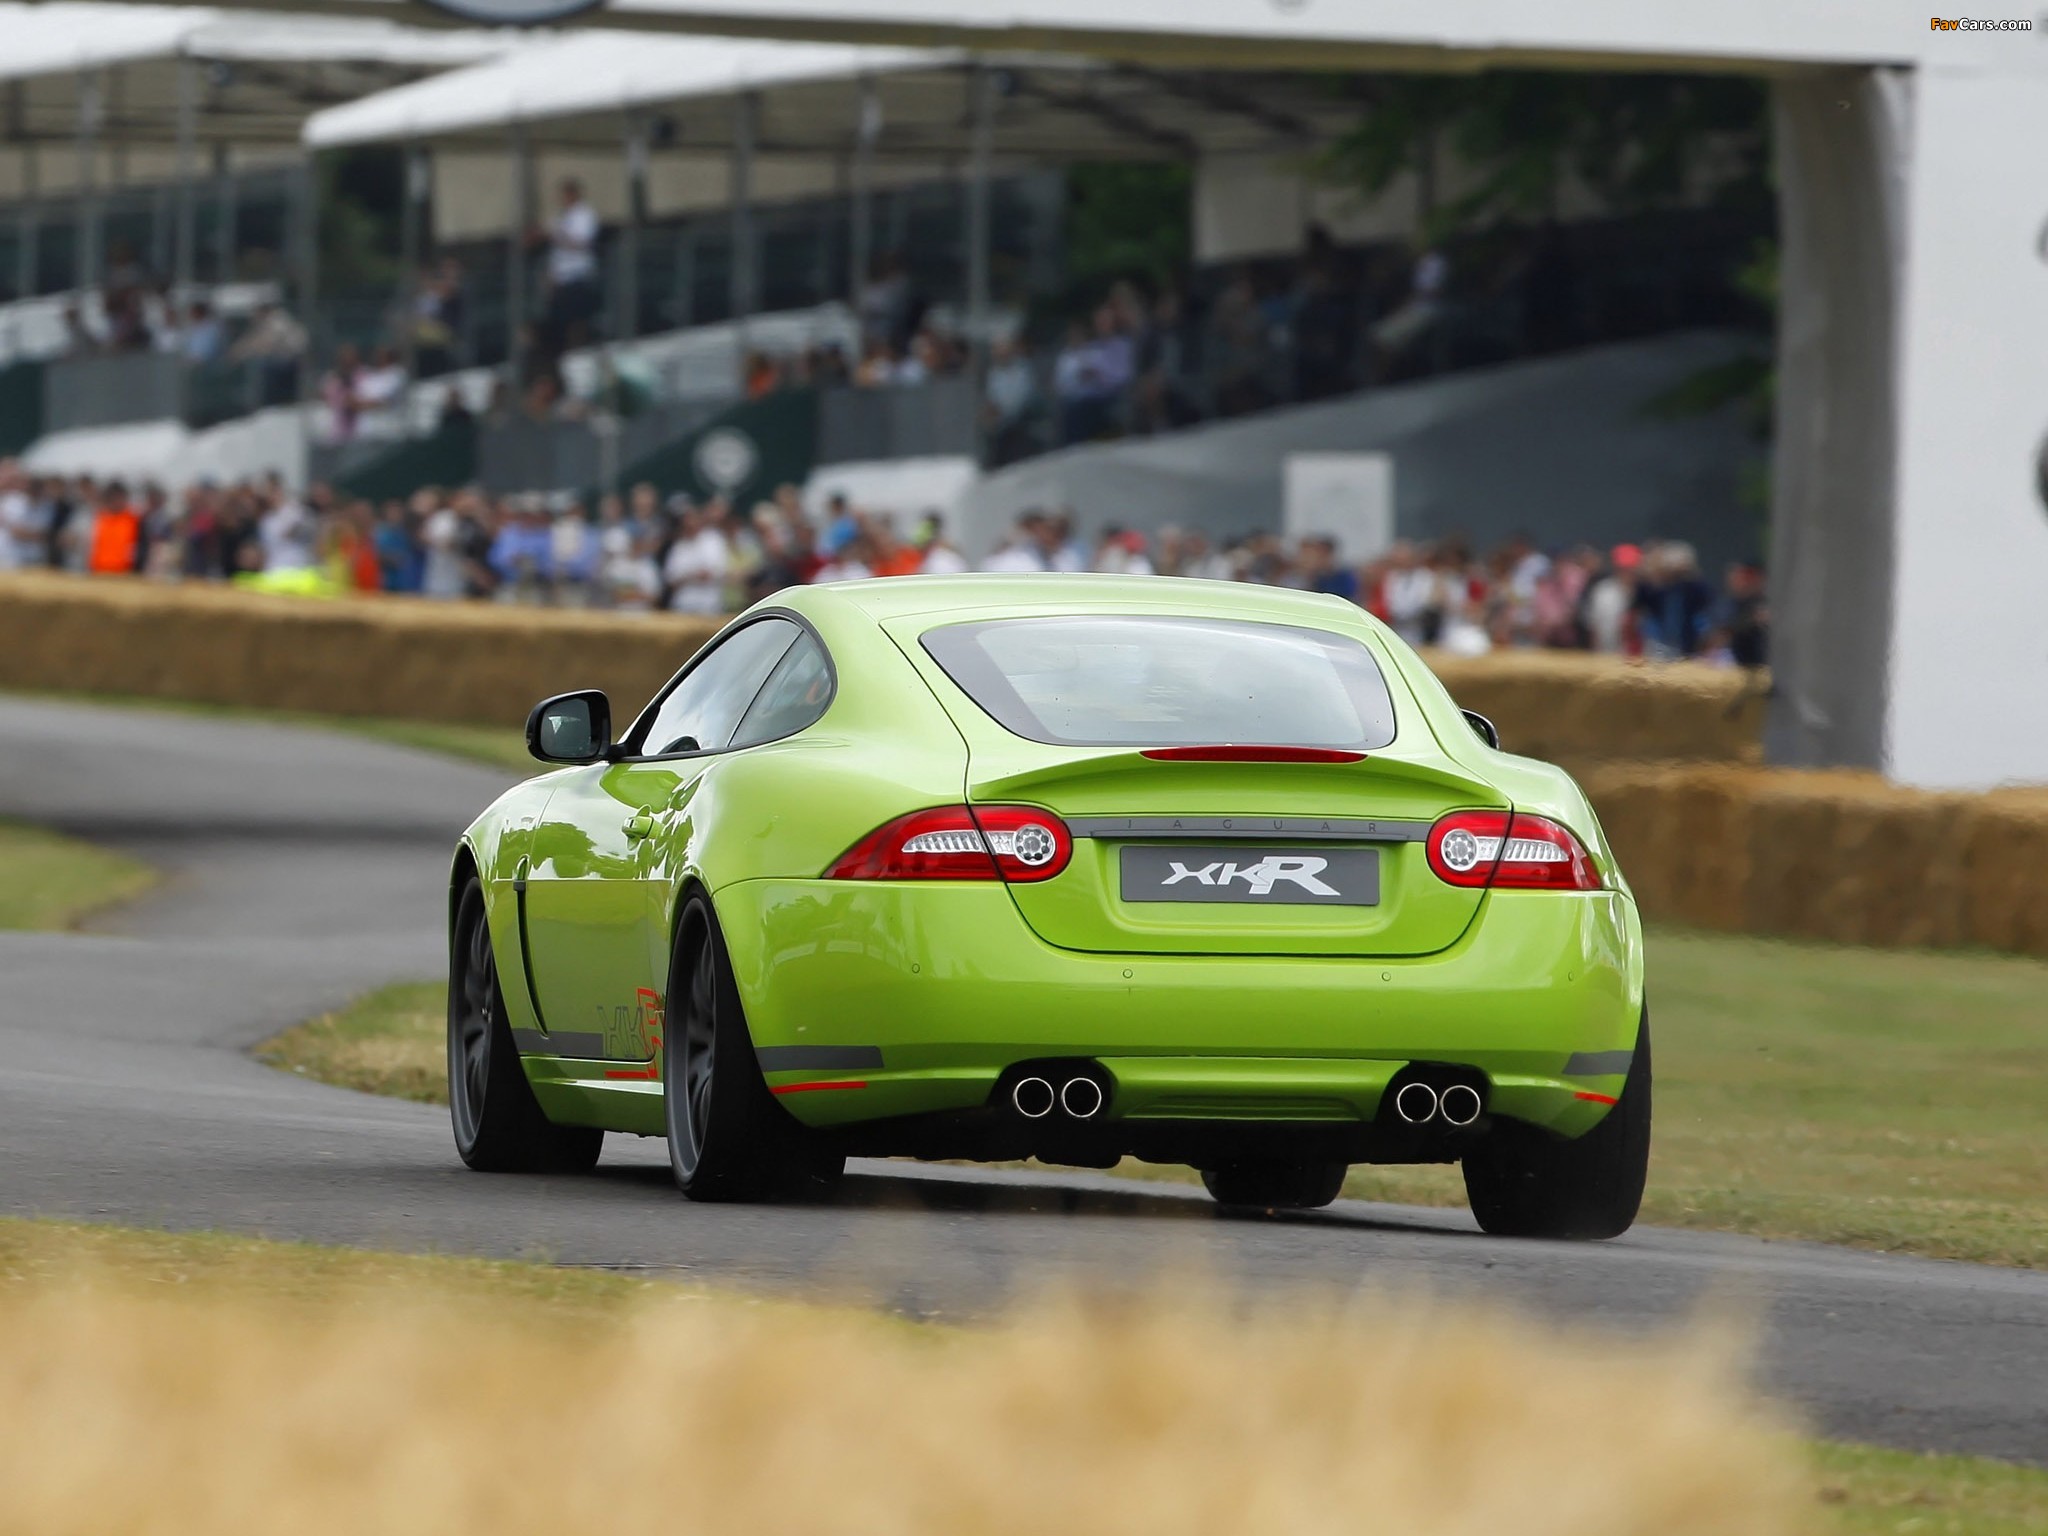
(1978, 24)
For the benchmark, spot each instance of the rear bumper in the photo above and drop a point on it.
(923, 994)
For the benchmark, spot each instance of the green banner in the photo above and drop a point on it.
(446, 458)
(21, 407)
(743, 453)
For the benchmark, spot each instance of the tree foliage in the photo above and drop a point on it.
(1637, 141)
(1128, 221)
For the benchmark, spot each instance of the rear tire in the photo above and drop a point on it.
(727, 1137)
(1276, 1186)
(499, 1126)
(1526, 1182)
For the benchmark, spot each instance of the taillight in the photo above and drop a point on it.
(952, 842)
(1509, 851)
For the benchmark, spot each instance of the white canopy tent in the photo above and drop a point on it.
(581, 84)
(93, 95)
(827, 115)
(819, 98)
(1328, 34)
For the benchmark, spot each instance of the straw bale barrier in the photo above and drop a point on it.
(399, 658)
(403, 658)
(1839, 856)
(1668, 753)
(1578, 709)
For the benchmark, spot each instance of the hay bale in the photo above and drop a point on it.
(396, 658)
(1576, 708)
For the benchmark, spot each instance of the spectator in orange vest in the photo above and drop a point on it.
(116, 547)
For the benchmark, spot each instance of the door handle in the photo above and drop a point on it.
(639, 824)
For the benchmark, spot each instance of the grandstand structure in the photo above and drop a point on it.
(1909, 540)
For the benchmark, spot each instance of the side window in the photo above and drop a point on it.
(796, 694)
(700, 712)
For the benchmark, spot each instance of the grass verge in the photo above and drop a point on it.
(180, 1397)
(1892, 1493)
(55, 882)
(1882, 1099)
(392, 1041)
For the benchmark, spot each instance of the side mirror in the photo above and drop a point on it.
(571, 728)
(1482, 728)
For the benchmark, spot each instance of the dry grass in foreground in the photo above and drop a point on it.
(140, 1407)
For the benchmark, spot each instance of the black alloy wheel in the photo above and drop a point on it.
(499, 1126)
(727, 1137)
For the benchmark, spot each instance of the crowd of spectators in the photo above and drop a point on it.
(1649, 600)
(1148, 359)
(643, 552)
(138, 311)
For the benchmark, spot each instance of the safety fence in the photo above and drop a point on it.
(1667, 753)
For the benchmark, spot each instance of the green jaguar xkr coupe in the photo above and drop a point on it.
(1069, 867)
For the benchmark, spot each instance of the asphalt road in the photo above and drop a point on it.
(305, 867)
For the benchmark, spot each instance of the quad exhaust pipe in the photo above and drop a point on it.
(1079, 1096)
(1033, 1097)
(1416, 1103)
(1457, 1105)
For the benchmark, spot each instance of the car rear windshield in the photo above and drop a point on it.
(1127, 680)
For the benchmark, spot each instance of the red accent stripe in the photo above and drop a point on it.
(811, 1087)
(641, 1074)
(1238, 754)
(1596, 1098)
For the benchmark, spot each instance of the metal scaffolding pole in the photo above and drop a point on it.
(86, 263)
(29, 231)
(415, 175)
(306, 251)
(981, 105)
(185, 237)
(628, 325)
(867, 129)
(224, 233)
(742, 285)
(515, 245)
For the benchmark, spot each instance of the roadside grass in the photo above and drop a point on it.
(226, 1386)
(1885, 1099)
(495, 746)
(1894, 1493)
(54, 882)
(1882, 1099)
(392, 1041)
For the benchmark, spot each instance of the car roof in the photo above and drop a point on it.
(895, 597)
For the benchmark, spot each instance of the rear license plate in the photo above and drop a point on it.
(1282, 877)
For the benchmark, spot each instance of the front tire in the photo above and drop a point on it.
(1276, 1186)
(1526, 1182)
(499, 1127)
(727, 1137)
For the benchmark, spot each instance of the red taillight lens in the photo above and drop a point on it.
(990, 842)
(1509, 851)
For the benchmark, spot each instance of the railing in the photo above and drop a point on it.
(121, 389)
(939, 417)
(112, 391)
(525, 455)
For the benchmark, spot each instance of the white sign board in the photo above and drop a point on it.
(1345, 496)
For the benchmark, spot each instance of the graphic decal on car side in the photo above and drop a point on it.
(626, 1032)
